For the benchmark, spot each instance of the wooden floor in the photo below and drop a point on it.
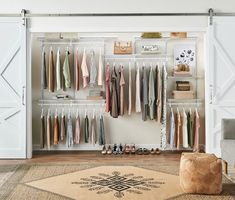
(96, 157)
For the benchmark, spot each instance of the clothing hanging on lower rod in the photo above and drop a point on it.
(68, 130)
(184, 129)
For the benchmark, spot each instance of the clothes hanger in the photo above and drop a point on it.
(178, 112)
(51, 48)
(93, 114)
(56, 112)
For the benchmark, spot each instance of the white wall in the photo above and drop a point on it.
(66, 6)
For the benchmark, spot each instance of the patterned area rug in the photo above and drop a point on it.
(87, 181)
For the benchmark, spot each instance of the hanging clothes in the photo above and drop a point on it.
(44, 69)
(62, 127)
(190, 129)
(48, 131)
(86, 129)
(51, 68)
(93, 69)
(196, 132)
(77, 73)
(114, 96)
(85, 72)
(77, 130)
(93, 130)
(107, 80)
(184, 130)
(118, 89)
(129, 92)
(163, 92)
(42, 135)
(101, 132)
(66, 70)
(159, 94)
(58, 70)
(151, 94)
(178, 131)
(69, 130)
(172, 129)
(56, 129)
(122, 83)
(137, 94)
(100, 71)
(145, 95)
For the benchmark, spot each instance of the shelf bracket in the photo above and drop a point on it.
(211, 13)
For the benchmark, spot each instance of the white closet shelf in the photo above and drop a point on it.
(166, 39)
(175, 102)
(184, 77)
(137, 57)
(69, 102)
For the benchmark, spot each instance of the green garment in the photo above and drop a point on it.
(66, 71)
(86, 128)
(190, 129)
(151, 94)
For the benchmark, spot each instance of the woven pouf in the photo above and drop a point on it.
(200, 173)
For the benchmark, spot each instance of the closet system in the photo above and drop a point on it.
(82, 78)
(19, 93)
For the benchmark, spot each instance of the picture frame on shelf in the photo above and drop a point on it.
(184, 60)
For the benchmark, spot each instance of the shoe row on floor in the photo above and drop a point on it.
(128, 149)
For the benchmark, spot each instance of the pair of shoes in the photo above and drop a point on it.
(106, 151)
(117, 149)
(153, 151)
(141, 151)
(130, 149)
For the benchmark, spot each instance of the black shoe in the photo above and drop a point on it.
(120, 149)
(115, 149)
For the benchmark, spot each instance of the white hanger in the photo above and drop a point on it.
(51, 48)
(177, 110)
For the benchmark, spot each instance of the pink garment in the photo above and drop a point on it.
(77, 131)
(100, 71)
(196, 132)
(85, 72)
(107, 79)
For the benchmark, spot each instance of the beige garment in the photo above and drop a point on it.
(196, 132)
(48, 131)
(56, 130)
(137, 93)
(85, 72)
(76, 71)
(130, 92)
(178, 131)
(100, 71)
(184, 130)
(51, 71)
(159, 94)
(122, 83)
(77, 130)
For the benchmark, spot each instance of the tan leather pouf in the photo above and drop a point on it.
(200, 173)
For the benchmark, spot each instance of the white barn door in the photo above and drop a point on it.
(220, 81)
(12, 88)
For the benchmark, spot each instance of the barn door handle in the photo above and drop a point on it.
(23, 95)
(211, 94)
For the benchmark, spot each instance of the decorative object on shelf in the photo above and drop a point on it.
(182, 86)
(184, 59)
(183, 94)
(61, 96)
(123, 47)
(177, 35)
(151, 35)
(150, 49)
